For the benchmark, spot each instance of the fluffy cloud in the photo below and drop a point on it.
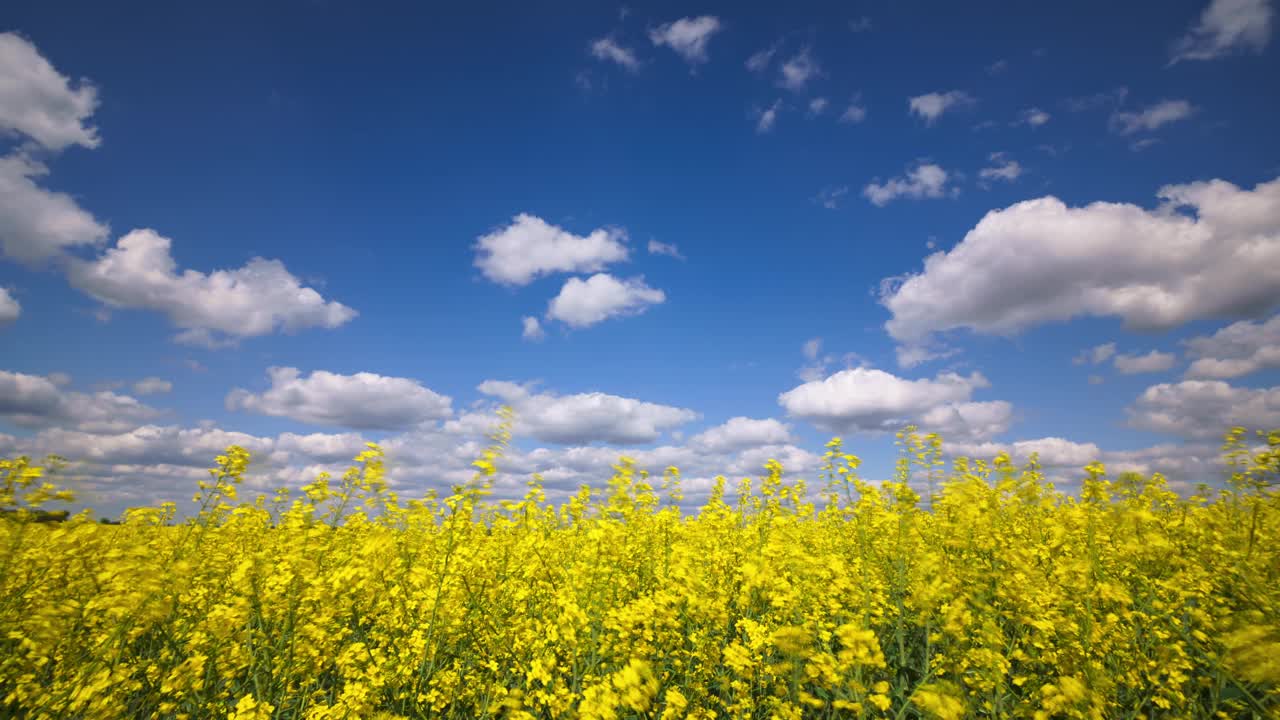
(1004, 169)
(854, 113)
(532, 329)
(39, 102)
(1204, 408)
(739, 433)
(362, 401)
(668, 249)
(867, 400)
(1040, 261)
(606, 48)
(923, 181)
(585, 417)
(818, 105)
(931, 106)
(583, 303)
(1236, 350)
(152, 386)
(1152, 117)
(687, 36)
(1226, 26)
(530, 247)
(761, 59)
(257, 299)
(35, 223)
(9, 307)
(1054, 452)
(1154, 361)
(34, 401)
(1035, 117)
(796, 72)
(1096, 355)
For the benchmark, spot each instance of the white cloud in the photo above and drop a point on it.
(739, 433)
(152, 386)
(585, 417)
(583, 303)
(912, 355)
(326, 447)
(796, 72)
(855, 113)
(867, 400)
(607, 49)
(818, 105)
(10, 309)
(60, 379)
(1035, 117)
(687, 36)
(811, 348)
(35, 223)
(532, 329)
(925, 180)
(1152, 117)
(361, 401)
(931, 106)
(1040, 261)
(213, 309)
(34, 401)
(1236, 350)
(1204, 408)
(998, 67)
(829, 197)
(1096, 355)
(530, 247)
(761, 59)
(765, 118)
(39, 102)
(668, 249)
(1154, 361)
(1143, 143)
(1054, 452)
(1004, 169)
(1226, 26)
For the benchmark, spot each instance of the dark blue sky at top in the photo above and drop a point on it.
(367, 145)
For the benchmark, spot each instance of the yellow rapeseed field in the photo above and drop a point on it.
(1000, 598)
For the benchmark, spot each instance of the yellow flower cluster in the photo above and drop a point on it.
(995, 596)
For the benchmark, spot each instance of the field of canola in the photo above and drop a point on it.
(1001, 598)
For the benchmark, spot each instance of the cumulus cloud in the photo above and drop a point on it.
(1154, 361)
(739, 433)
(530, 247)
(925, 180)
(212, 309)
(688, 37)
(1226, 27)
(1040, 261)
(1005, 168)
(584, 417)
(931, 106)
(1204, 408)
(818, 105)
(868, 400)
(1236, 350)
(152, 386)
(1035, 117)
(606, 48)
(10, 309)
(39, 102)
(35, 223)
(1152, 117)
(583, 303)
(796, 72)
(668, 249)
(1096, 355)
(531, 329)
(364, 401)
(760, 60)
(33, 401)
(855, 112)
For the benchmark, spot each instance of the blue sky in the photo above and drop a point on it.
(711, 211)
